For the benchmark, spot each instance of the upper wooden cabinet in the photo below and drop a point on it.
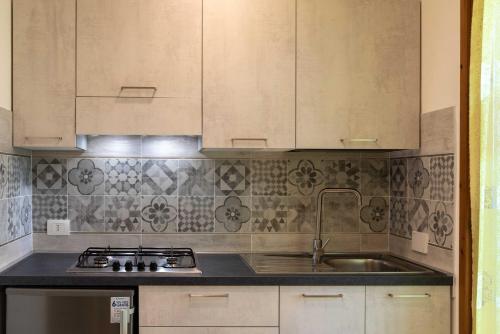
(358, 74)
(139, 67)
(44, 73)
(249, 74)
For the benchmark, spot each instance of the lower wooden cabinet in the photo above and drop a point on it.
(209, 330)
(408, 310)
(322, 310)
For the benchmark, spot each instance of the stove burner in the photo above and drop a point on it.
(101, 261)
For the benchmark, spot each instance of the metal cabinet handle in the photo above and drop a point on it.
(153, 88)
(359, 140)
(305, 295)
(220, 295)
(28, 138)
(425, 295)
(125, 320)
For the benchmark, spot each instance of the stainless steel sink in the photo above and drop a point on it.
(301, 263)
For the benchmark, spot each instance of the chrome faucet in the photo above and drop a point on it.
(318, 246)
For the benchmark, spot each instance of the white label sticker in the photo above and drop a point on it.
(118, 304)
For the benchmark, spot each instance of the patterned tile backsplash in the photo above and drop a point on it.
(15, 198)
(264, 195)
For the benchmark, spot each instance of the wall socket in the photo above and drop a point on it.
(420, 242)
(58, 227)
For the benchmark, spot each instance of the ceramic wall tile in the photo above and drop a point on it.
(86, 176)
(26, 215)
(375, 177)
(159, 177)
(441, 223)
(375, 214)
(159, 214)
(122, 214)
(196, 214)
(269, 214)
(4, 176)
(196, 178)
(4, 224)
(418, 177)
(442, 178)
(123, 176)
(398, 177)
(16, 176)
(342, 173)
(26, 176)
(399, 217)
(269, 177)
(232, 177)
(232, 214)
(418, 215)
(14, 218)
(86, 213)
(48, 207)
(301, 214)
(49, 176)
(340, 213)
(304, 177)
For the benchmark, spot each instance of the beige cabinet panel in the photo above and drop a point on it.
(322, 309)
(208, 330)
(138, 116)
(44, 73)
(408, 310)
(249, 74)
(358, 74)
(207, 306)
(137, 43)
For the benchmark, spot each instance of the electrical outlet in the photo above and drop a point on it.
(58, 227)
(420, 242)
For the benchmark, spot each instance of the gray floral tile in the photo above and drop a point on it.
(86, 177)
(418, 215)
(441, 224)
(304, 177)
(442, 177)
(340, 213)
(122, 214)
(4, 176)
(14, 219)
(269, 214)
(341, 173)
(196, 178)
(301, 214)
(232, 214)
(26, 176)
(48, 207)
(49, 176)
(375, 177)
(86, 213)
(398, 177)
(15, 176)
(123, 176)
(4, 214)
(159, 214)
(196, 214)
(26, 215)
(232, 177)
(418, 177)
(269, 177)
(399, 217)
(375, 214)
(159, 177)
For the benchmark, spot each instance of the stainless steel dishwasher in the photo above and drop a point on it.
(75, 311)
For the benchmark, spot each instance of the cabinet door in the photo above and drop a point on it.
(408, 310)
(139, 67)
(322, 310)
(43, 60)
(358, 74)
(208, 330)
(249, 74)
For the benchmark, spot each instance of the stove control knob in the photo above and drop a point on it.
(141, 266)
(129, 266)
(153, 266)
(116, 266)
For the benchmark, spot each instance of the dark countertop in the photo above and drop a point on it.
(49, 269)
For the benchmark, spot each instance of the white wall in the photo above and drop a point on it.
(5, 54)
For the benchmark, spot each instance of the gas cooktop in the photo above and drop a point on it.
(141, 260)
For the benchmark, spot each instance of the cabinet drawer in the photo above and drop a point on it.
(138, 116)
(322, 309)
(408, 310)
(209, 330)
(208, 306)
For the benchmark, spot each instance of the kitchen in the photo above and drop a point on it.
(230, 166)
